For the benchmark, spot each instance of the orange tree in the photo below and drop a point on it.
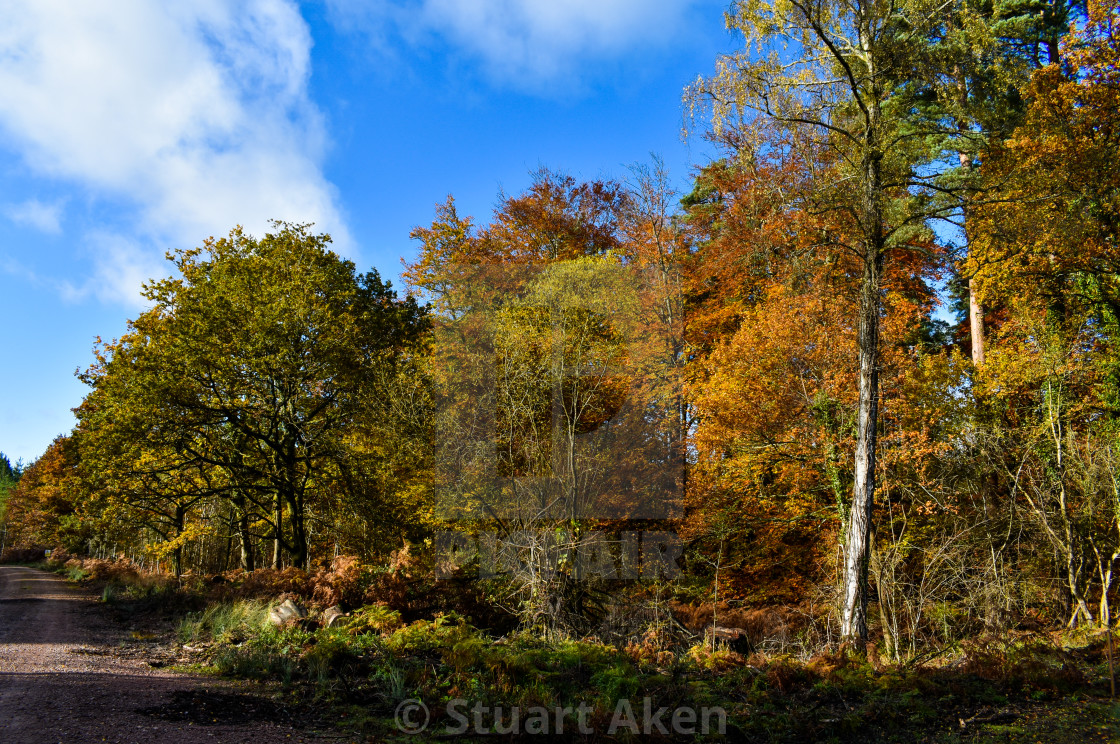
(559, 353)
(43, 510)
(772, 324)
(1046, 255)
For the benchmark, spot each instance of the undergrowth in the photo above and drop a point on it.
(1004, 686)
(364, 671)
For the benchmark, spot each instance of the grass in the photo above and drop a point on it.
(227, 622)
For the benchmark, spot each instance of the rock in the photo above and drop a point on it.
(735, 638)
(285, 611)
(334, 617)
(727, 634)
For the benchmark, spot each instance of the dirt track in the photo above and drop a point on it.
(62, 680)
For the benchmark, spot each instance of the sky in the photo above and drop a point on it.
(134, 127)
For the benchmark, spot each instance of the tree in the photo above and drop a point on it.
(970, 86)
(1046, 255)
(41, 509)
(833, 76)
(772, 321)
(246, 378)
(1053, 236)
(134, 463)
(9, 477)
(557, 359)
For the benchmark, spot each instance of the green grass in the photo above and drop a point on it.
(228, 622)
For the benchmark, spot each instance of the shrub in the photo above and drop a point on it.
(22, 555)
(1021, 659)
(718, 659)
(267, 583)
(373, 619)
(331, 658)
(255, 663)
(344, 583)
(120, 570)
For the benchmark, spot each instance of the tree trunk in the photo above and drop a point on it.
(975, 324)
(299, 531)
(248, 562)
(180, 523)
(278, 535)
(853, 620)
(975, 312)
(1080, 611)
(1104, 614)
(858, 542)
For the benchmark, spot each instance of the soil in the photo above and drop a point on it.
(68, 673)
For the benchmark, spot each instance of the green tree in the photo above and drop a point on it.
(970, 87)
(247, 377)
(9, 477)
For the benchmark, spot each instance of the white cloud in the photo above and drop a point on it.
(121, 265)
(523, 41)
(195, 113)
(37, 214)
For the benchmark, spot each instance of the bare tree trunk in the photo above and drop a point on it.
(1080, 611)
(248, 562)
(278, 536)
(975, 311)
(975, 324)
(1105, 611)
(854, 617)
(180, 524)
(299, 547)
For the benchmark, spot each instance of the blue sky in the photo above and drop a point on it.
(133, 127)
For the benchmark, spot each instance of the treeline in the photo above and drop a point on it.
(758, 365)
(9, 477)
(249, 415)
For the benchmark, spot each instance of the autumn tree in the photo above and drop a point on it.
(1053, 235)
(834, 76)
(772, 322)
(140, 474)
(1047, 255)
(246, 378)
(658, 246)
(557, 356)
(41, 511)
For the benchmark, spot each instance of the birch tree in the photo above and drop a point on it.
(836, 75)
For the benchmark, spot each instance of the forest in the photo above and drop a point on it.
(861, 377)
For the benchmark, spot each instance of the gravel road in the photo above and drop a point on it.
(62, 679)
